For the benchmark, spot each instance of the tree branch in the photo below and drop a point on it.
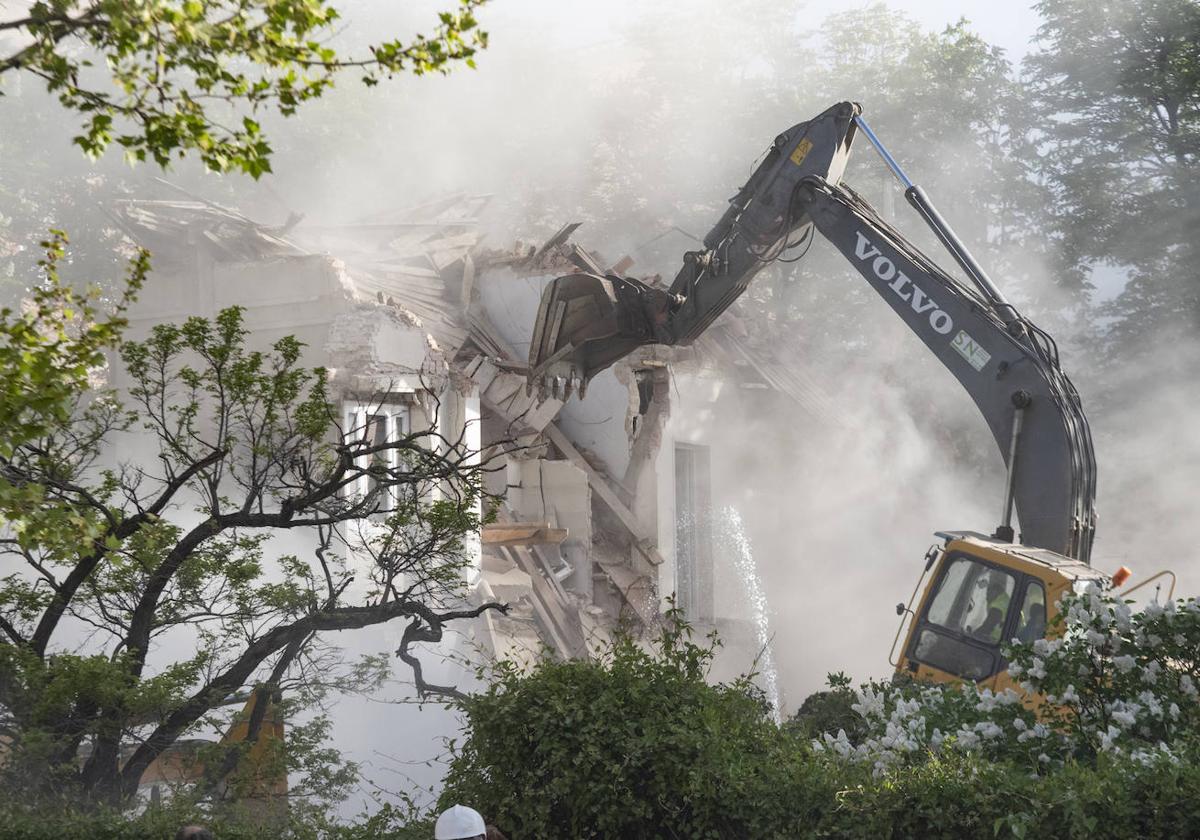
(233, 677)
(427, 626)
(86, 565)
(11, 631)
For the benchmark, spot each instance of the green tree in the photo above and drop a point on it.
(246, 441)
(176, 549)
(1117, 93)
(946, 104)
(185, 76)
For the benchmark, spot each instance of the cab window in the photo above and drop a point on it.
(964, 623)
(973, 599)
(1031, 624)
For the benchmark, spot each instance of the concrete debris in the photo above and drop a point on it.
(226, 235)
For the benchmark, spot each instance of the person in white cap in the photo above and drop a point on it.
(459, 822)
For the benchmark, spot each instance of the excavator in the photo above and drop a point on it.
(985, 589)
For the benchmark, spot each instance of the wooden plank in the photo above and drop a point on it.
(481, 323)
(472, 366)
(503, 387)
(563, 234)
(548, 604)
(537, 417)
(641, 541)
(468, 281)
(484, 373)
(542, 553)
(522, 533)
(551, 560)
(584, 260)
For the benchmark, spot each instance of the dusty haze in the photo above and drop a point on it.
(573, 105)
(569, 102)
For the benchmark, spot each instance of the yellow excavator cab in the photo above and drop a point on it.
(982, 594)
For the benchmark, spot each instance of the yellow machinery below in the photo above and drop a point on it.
(983, 593)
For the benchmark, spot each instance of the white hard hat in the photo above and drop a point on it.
(458, 822)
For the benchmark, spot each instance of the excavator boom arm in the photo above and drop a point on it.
(1007, 365)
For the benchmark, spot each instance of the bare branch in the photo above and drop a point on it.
(235, 676)
(87, 564)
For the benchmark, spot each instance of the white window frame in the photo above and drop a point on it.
(397, 419)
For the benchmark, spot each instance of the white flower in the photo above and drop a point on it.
(1020, 725)
(1124, 663)
(1150, 672)
(1015, 670)
(1038, 669)
(987, 701)
(966, 739)
(988, 729)
(1039, 730)
(1069, 696)
(1161, 752)
(1153, 706)
(870, 703)
(1123, 717)
(1188, 687)
(1107, 738)
(840, 745)
(1173, 711)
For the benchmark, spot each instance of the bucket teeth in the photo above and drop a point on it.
(584, 323)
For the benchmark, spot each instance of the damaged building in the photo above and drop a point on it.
(610, 503)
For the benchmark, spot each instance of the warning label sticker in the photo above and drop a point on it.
(801, 151)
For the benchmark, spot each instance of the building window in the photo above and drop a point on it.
(693, 532)
(371, 426)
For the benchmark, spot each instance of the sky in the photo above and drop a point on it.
(1007, 24)
(1010, 25)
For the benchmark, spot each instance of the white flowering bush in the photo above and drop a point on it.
(1111, 681)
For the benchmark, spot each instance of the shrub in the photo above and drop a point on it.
(1113, 681)
(22, 821)
(633, 745)
(639, 744)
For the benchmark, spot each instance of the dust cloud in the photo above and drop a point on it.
(639, 118)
